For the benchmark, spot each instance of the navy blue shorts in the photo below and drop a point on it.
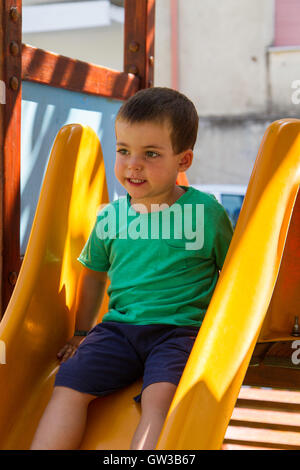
(114, 355)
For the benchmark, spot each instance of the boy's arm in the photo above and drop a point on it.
(90, 292)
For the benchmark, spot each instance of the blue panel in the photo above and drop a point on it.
(44, 111)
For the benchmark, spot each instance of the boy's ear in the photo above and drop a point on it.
(185, 160)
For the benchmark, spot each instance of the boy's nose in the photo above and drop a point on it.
(135, 163)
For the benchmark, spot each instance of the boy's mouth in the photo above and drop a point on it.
(136, 181)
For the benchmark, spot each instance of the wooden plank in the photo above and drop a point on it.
(10, 73)
(229, 446)
(269, 400)
(271, 395)
(281, 439)
(268, 405)
(139, 40)
(58, 71)
(289, 419)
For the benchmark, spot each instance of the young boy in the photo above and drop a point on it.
(162, 246)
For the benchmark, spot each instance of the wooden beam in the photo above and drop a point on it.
(139, 40)
(275, 377)
(10, 75)
(55, 70)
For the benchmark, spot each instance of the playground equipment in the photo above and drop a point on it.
(255, 301)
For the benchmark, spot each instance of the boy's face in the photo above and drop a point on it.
(146, 164)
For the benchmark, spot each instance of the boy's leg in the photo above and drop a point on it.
(156, 400)
(164, 366)
(104, 362)
(63, 422)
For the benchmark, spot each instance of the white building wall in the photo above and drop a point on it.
(101, 46)
(162, 69)
(284, 80)
(92, 31)
(237, 80)
(222, 53)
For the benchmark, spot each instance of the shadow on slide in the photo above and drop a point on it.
(40, 316)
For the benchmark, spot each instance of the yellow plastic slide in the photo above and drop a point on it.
(40, 316)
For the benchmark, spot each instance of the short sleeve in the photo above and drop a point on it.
(223, 236)
(94, 255)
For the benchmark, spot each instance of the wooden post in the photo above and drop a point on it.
(10, 125)
(139, 40)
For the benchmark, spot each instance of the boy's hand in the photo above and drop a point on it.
(69, 349)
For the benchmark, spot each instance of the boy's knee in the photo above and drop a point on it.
(157, 397)
(69, 394)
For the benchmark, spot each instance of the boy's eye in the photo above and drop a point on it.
(152, 154)
(122, 151)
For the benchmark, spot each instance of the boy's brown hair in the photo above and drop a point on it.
(161, 104)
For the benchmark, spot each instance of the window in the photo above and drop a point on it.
(232, 203)
(287, 23)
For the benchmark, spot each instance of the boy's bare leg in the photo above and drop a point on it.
(63, 423)
(156, 401)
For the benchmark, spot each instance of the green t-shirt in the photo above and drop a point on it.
(163, 266)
